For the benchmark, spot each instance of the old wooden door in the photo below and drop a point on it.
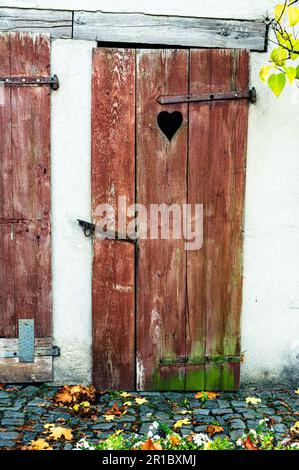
(165, 317)
(25, 271)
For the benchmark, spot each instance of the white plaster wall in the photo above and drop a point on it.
(270, 313)
(71, 251)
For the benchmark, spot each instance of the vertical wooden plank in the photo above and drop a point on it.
(30, 56)
(7, 301)
(223, 202)
(6, 187)
(161, 178)
(32, 274)
(7, 311)
(198, 180)
(113, 175)
(30, 122)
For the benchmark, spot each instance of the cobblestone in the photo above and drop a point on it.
(24, 410)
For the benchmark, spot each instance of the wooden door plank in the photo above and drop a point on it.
(7, 308)
(30, 56)
(113, 175)
(161, 178)
(30, 120)
(198, 180)
(6, 187)
(223, 222)
(7, 299)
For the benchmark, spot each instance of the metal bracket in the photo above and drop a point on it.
(52, 81)
(26, 344)
(26, 340)
(228, 95)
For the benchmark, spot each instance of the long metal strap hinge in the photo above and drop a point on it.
(51, 81)
(228, 95)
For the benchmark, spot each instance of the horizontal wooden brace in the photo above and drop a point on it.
(30, 81)
(169, 30)
(215, 359)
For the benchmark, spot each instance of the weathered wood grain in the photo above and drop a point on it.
(223, 179)
(25, 249)
(161, 178)
(169, 30)
(113, 175)
(57, 23)
(198, 179)
(13, 371)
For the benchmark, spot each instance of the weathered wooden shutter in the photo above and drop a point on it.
(187, 303)
(25, 251)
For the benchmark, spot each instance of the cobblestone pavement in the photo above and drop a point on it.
(25, 409)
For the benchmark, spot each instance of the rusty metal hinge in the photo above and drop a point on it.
(51, 81)
(228, 95)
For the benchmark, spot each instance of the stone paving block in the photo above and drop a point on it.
(280, 428)
(237, 424)
(29, 391)
(236, 434)
(223, 403)
(201, 411)
(221, 411)
(11, 422)
(7, 443)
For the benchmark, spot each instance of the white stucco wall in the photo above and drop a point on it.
(71, 251)
(270, 313)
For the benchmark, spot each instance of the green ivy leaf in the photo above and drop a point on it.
(297, 72)
(293, 14)
(277, 82)
(291, 73)
(279, 56)
(295, 45)
(278, 11)
(264, 72)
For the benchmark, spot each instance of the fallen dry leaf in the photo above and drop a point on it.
(297, 391)
(175, 440)
(248, 444)
(116, 411)
(181, 422)
(151, 445)
(253, 400)
(211, 429)
(38, 444)
(109, 417)
(125, 394)
(140, 401)
(295, 429)
(2, 386)
(58, 432)
(208, 395)
(75, 394)
(184, 412)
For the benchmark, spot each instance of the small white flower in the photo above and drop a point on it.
(156, 437)
(295, 445)
(149, 415)
(201, 439)
(155, 424)
(239, 442)
(150, 434)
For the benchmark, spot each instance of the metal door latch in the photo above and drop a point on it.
(228, 95)
(52, 81)
(90, 229)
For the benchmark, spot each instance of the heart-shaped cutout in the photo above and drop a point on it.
(169, 123)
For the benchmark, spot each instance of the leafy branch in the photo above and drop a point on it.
(282, 62)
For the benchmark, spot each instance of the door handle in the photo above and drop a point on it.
(89, 229)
